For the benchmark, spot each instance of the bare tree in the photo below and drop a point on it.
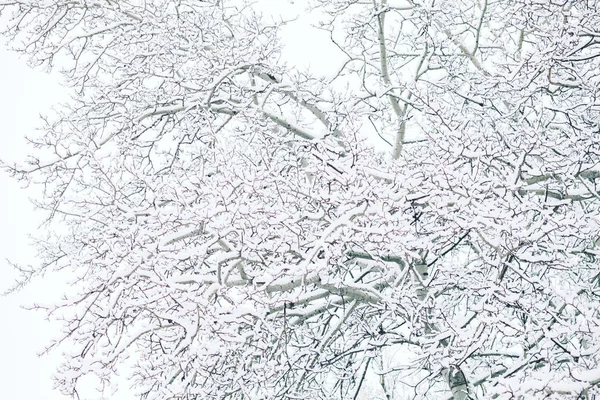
(235, 234)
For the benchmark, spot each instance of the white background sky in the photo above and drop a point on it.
(24, 95)
(23, 334)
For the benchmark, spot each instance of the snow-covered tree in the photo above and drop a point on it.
(235, 230)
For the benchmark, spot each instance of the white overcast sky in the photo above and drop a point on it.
(24, 95)
(23, 334)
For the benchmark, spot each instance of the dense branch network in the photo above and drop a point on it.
(235, 233)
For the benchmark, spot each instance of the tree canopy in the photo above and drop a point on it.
(236, 229)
